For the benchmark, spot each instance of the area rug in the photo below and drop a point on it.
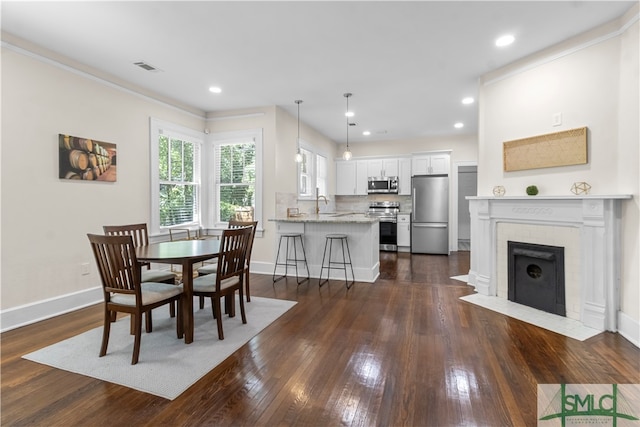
(561, 325)
(167, 366)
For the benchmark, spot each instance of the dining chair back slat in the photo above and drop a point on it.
(233, 252)
(123, 290)
(116, 261)
(140, 237)
(229, 274)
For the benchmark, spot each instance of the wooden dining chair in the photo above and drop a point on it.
(212, 268)
(140, 236)
(124, 292)
(229, 275)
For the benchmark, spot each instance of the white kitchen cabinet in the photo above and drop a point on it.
(361, 178)
(404, 232)
(383, 167)
(345, 178)
(404, 176)
(430, 164)
(351, 178)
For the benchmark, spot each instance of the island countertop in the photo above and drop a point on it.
(333, 217)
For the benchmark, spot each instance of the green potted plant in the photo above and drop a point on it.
(532, 190)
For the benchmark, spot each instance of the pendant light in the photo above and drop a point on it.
(298, 153)
(347, 153)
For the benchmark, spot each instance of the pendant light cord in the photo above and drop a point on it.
(347, 152)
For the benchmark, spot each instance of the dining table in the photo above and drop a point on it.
(185, 253)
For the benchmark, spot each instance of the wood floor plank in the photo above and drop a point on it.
(404, 351)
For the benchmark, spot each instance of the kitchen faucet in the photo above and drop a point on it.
(318, 197)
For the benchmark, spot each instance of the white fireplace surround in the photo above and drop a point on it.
(597, 291)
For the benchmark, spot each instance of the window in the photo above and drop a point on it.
(175, 177)
(237, 187)
(306, 188)
(312, 174)
(321, 174)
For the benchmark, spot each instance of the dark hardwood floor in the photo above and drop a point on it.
(404, 351)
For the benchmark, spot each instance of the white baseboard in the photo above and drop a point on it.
(629, 328)
(30, 313)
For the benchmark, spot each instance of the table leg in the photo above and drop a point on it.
(187, 283)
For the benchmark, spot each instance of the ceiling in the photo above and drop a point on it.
(408, 64)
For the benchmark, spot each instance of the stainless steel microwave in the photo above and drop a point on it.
(382, 185)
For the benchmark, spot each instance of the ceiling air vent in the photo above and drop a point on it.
(146, 66)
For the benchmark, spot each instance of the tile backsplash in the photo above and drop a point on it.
(337, 203)
(361, 203)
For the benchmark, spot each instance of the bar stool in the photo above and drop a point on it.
(342, 240)
(291, 262)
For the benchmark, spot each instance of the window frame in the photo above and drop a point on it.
(232, 137)
(314, 153)
(173, 131)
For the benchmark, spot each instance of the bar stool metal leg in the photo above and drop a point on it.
(304, 260)
(288, 261)
(353, 276)
(322, 267)
(275, 265)
(342, 238)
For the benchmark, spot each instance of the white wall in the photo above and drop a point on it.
(628, 170)
(593, 81)
(44, 219)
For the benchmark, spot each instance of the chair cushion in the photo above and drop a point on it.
(152, 292)
(156, 275)
(208, 269)
(208, 283)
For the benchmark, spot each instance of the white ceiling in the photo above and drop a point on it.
(408, 64)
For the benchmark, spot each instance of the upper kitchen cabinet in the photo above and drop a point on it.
(383, 167)
(351, 178)
(404, 176)
(430, 164)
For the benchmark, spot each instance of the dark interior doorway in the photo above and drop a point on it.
(467, 186)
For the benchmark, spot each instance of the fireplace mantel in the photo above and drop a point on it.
(597, 218)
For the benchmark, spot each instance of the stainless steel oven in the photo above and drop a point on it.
(387, 213)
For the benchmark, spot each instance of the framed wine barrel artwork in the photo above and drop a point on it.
(86, 159)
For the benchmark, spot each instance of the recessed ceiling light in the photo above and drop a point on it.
(458, 125)
(505, 40)
(468, 100)
(349, 114)
(366, 133)
(215, 89)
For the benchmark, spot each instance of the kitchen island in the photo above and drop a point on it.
(362, 232)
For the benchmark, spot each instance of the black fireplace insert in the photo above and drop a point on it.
(536, 276)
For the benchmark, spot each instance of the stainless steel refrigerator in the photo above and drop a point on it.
(430, 214)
